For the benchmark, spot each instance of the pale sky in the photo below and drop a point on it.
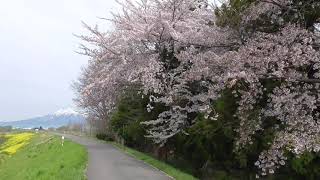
(37, 57)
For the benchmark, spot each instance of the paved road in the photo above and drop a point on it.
(108, 163)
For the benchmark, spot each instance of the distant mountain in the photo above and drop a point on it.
(60, 118)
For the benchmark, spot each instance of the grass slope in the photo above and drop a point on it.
(171, 171)
(45, 159)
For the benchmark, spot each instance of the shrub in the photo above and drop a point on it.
(105, 137)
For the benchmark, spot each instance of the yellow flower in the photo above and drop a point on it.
(14, 142)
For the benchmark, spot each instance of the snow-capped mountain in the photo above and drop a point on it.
(59, 118)
(66, 112)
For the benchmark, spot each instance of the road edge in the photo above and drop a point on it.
(141, 160)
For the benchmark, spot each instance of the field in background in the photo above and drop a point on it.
(42, 157)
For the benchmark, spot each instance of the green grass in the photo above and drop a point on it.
(45, 159)
(171, 171)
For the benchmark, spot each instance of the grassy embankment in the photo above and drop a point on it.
(171, 171)
(40, 156)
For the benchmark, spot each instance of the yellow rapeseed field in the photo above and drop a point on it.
(14, 142)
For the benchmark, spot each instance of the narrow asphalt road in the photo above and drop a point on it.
(108, 163)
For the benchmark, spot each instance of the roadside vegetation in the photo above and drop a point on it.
(31, 156)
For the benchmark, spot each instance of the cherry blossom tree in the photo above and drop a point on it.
(181, 58)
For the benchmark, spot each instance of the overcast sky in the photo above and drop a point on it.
(37, 58)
